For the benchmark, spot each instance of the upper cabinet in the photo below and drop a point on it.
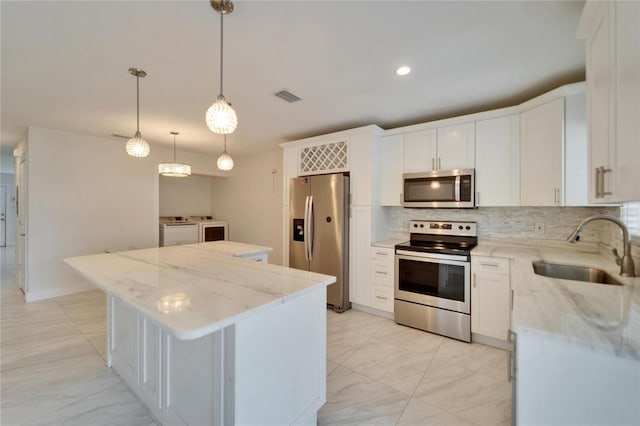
(390, 169)
(444, 148)
(456, 147)
(498, 161)
(541, 145)
(612, 40)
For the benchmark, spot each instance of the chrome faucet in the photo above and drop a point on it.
(627, 268)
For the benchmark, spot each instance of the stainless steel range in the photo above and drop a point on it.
(433, 278)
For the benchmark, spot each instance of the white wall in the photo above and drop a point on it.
(188, 196)
(86, 195)
(251, 200)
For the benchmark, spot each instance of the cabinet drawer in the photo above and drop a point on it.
(490, 264)
(383, 298)
(382, 254)
(382, 273)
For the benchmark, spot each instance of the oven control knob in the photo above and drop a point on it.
(468, 227)
(415, 225)
(460, 227)
(421, 225)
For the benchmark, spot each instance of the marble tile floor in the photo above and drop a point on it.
(52, 369)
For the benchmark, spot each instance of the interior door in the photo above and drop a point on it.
(299, 191)
(21, 213)
(327, 249)
(3, 215)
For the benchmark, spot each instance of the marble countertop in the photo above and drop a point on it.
(234, 249)
(603, 317)
(195, 289)
(390, 243)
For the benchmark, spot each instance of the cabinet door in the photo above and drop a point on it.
(390, 169)
(627, 177)
(360, 159)
(456, 147)
(490, 297)
(359, 261)
(541, 149)
(419, 151)
(576, 152)
(498, 162)
(599, 60)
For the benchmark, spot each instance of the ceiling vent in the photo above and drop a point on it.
(288, 96)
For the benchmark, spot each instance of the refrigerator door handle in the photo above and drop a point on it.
(305, 229)
(310, 234)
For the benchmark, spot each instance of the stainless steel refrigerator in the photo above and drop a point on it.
(319, 226)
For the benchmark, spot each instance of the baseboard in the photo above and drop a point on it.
(372, 311)
(34, 296)
(491, 341)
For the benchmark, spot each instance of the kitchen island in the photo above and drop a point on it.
(206, 338)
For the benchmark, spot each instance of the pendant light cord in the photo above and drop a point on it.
(174, 148)
(138, 103)
(225, 144)
(221, 46)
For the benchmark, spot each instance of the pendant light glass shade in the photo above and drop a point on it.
(174, 169)
(136, 146)
(225, 162)
(221, 118)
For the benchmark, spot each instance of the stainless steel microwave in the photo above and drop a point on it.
(439, 189)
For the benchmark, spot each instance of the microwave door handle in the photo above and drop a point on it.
(457, 188)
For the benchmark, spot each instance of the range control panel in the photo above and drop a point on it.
(443, 228)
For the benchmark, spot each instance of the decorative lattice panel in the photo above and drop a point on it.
(330, 157)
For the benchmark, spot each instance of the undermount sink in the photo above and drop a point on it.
(575, 273)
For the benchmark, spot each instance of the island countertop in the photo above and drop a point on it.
(195, 289)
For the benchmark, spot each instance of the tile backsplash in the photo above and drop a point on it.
(514, 222)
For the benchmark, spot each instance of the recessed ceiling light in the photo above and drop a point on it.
(403, 70)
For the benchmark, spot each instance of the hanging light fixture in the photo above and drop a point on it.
(136, 146)
(174, 169)
(220, 117)
(225, 162)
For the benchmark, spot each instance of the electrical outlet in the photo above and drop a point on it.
(539, 228)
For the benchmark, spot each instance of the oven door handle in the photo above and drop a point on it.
(448, 259)
(457, 188)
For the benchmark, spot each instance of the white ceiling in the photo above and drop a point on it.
(64, 65)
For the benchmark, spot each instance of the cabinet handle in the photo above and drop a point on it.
(556, 196)
(433, 163)
(511, 300)
(511, 366)
(401, 200)
(478, 198)
(474, 280)
(602, 184)
(439, 164)
(380, 297)
(381, 253)
(597, 183)
(381, 273)
(490, 264)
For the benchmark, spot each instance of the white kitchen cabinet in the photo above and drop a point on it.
(390, 170)
(419, 151)
(382, 276)
(490, 297)
(456, 147)
(612, 44)
(359, 262)
(498, 161)
(444, 148)
(541, 154)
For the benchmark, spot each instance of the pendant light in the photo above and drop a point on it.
(220, 117)
(174, 169)
(136, 146)
(225, 162)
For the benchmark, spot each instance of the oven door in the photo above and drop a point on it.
(441, 281)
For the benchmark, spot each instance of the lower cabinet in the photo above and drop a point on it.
(382, 264)
(490, 297)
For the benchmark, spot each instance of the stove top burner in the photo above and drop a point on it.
(460, 248)
(455, 238)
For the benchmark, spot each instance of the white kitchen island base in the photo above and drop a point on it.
(268, 369)
(204, 338)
